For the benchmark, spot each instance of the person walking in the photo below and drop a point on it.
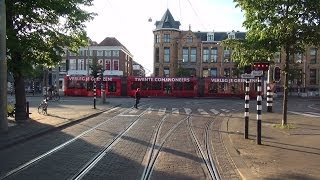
(137, 96)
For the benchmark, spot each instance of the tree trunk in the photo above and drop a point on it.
(20, 112)
(285, 89)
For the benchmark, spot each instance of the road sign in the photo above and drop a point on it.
(257, 73)
(247, 76)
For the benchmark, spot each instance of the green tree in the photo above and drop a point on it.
(37, 32)
(181, 72)
(290, 25)
(95, 67)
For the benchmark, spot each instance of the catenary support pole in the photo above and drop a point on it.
(3, 70)
(94, 93)
(246, 109)
(259, 108)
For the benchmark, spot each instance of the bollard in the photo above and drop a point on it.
(27, 109)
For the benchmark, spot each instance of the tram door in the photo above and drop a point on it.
(167, 89)
(112, 87)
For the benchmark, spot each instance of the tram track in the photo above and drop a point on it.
(156, 147)
(205, 152)
(49, 153)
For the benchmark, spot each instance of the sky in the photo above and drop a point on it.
(128, 21)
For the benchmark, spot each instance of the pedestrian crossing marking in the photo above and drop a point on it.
(225, 110)
(187, 110)
(149, 110)
(308, 114)
(203, 112)
(214, 111)
(133, 111)
(162, 111)
(175, 111)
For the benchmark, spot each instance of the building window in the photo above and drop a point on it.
(213, 72)
(189, 39)
(313, 56)
(226, 72)
(115, 53)
(298, 58)
(205, 57)
(88, 52)
(108, 65)
(214, 55)
(210, 36)
(166, 38)
(116, 64)
(205, 72)
(313, 76)
(81, 64)
(157, 38)
(157, 55)
(226, 55)
(73, 64)
(166, 55)
(231, 36)
(107, 53)
(88, 64)
(156, 72)
(166, 72)
(81, 52)
(193, 54)
(185, 54)
(99, 53)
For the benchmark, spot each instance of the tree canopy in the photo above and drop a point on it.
(37, 33)
(290, 25)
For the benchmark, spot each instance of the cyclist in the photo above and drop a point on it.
(51, 90)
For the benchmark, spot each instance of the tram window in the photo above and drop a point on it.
(213, 88)
(222, 88)
(188, 86)
(167, 87)
(89, 86)
(177, 86)
(71, 84)
(135, 85)
(80, 84)
(112, 86)
(146, 85)
(157, 86)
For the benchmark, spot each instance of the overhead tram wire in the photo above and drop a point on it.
(195, 12)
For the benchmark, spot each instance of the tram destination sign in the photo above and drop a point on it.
(247, 76)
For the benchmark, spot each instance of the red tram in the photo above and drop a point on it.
(214, 86)
(77, 85)
(163, 86)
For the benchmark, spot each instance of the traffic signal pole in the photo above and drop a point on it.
(259, 109)
(269, 90)
(3, 70)
(246, 108)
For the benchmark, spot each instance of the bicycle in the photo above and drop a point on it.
(43, 107)
(53, 96)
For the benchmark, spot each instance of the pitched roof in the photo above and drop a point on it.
(110, 41)
(167, 21)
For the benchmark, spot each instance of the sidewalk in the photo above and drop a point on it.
(292, 153)
(59, 115)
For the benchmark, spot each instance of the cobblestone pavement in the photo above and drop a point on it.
(290, 153)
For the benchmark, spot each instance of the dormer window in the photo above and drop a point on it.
(189, 39)
(231, 35)
(210, 36)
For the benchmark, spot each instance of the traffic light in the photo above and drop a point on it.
(263, 66)
(277, 74)
(247, 69)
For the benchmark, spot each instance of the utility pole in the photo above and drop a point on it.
(3, 70)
